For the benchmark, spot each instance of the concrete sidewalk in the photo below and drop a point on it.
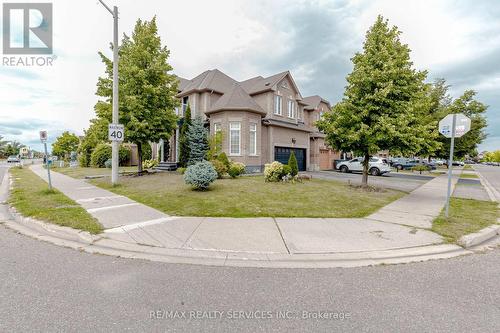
(399, 225)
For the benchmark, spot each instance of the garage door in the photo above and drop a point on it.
(282, 154)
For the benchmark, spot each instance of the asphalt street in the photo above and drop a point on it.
(491, 173)
(44, 287)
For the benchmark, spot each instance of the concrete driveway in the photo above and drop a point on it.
(392, 180)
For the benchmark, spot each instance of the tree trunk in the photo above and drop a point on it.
(366, 163)
(139, 158)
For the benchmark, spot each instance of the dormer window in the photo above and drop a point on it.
(278, 105)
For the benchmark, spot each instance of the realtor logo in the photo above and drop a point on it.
(27, 28)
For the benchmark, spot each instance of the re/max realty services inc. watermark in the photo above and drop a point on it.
(27, 37)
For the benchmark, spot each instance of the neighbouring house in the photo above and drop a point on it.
(263, 119)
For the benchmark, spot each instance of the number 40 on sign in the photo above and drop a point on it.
(115, 132)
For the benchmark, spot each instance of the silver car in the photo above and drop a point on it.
(376, 166)
(13, 159)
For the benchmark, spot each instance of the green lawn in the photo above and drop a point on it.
(32, 198)
(468, 175)
(251, 197)
(466, 216)
(82, 172)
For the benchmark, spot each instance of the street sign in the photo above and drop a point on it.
(115, 132)
(462, 125)
(453, 126)
(43, 136)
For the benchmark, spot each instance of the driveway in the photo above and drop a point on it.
(392, 180)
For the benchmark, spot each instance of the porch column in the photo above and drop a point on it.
(177, 145)
(162, 152)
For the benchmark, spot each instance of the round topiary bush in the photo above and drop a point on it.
(236, 169)
(219, 167)
(200, 175)
(273, 172)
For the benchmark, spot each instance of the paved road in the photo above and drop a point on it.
(393, 180)
(44, 287)
(491, 173)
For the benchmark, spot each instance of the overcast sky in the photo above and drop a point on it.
(457, 40)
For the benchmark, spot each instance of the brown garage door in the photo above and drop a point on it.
(325, 159)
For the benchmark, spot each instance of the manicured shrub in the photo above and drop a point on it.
(200, 175)
(197, 137)
(223, 158)
(102, 153)
(273, 172)
(149, 164)
(108, 164)
(181, 170)
(287, 170)
(219, 167)
(236, 169)
(292, 163)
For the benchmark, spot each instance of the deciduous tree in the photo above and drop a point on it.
(383, 101)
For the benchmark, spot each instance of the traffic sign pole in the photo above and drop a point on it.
(450, 164)
(48, 165)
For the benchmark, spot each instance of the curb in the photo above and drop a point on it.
(96, 244)
(479, 237)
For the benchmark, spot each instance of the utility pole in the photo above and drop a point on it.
(115, 144)
(450, 164)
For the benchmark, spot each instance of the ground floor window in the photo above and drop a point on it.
(252, 147)
(235, 138)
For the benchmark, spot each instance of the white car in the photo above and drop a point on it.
(376, 166)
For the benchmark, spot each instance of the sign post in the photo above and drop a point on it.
(453, 126)
(43, 139)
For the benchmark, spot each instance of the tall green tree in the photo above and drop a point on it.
(147, 90)
(197, 137)
(65, 144)
(184, 148)
(383, 101)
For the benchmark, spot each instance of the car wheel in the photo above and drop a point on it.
(375, 172)
(344, 169)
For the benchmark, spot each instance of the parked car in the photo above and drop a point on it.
(408, 164)
(13, 159)
(458, 163)
(376, 166)
(438, 162)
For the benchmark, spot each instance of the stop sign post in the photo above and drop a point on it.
(453, 126)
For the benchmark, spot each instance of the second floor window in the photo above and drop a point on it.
(278, 105)
(234, 138)
(291, 109)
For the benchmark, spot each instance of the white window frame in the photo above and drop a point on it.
(217, 127)
(253, 131)
(291, 109)
(278, 105)
(238, 125)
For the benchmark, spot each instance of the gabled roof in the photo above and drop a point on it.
(236, 99)
(183, 83)
(211, 80)
(261, 84)
(312, 102)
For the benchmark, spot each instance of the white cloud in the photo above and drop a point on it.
(314, 39)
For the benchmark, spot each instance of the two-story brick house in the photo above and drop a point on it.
(262, 119)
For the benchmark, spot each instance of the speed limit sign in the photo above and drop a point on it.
(115, 132)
